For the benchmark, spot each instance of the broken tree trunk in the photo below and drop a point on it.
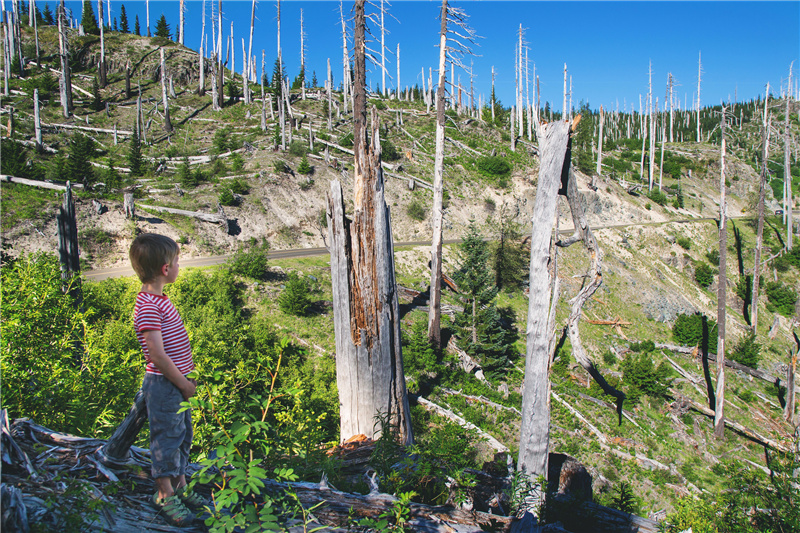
(535, 428)
(102, 45)
(435, 312)
(37, 124)
(787, 171)
(762, 189)
(791, 372)
(201, 83)
(167, 122)
(117, 450)
(719, 406)
(65, 81)
(369, 363)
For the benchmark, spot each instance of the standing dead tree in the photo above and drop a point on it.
(102, 66)
(201, 84)
(791, 371)
(699, 76)
(453, 45)
(762, 191)
(65, 80)
(787, 173)
(719, 400)
(369, 363)
(167, 122)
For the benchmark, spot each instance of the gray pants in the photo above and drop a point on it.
(170, 431)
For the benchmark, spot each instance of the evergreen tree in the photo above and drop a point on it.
(278, 75)
(88, 20)
(116, 28)
(304, 168)
(582, 157)
(508, 254)
(299, 80)
(136, 28)
(123, 20)
(314, 82)
(294, 299)
(48, 16)
(97, 102)
(162, 28)
(135, 160)
(78, 167)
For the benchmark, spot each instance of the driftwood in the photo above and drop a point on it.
(750, 434)
(205, 217)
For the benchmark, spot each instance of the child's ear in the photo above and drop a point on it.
(164, 269)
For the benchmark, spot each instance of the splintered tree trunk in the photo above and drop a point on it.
(762, 191)
(128, 80)
(600, 147)
(102, 44)
(180, 22)
(787, 169)
(167, 122)
(37, 124)
(201, 85)
(329, 89)
(68, 247)
(719, 406)
(147, 16)
(65, 81)
(791, 371)
(369, 363)
(117, 449)
(435, 311)
(535, 428)
(248, 97)
(35, 31)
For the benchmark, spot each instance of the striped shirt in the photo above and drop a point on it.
(154, 312)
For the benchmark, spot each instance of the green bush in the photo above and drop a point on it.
(688, 331)
(642, 377)
(419, 355)
(703, 275)
(239, 186)
(294, 299)
(237, 162)
(713, 256)
(298, 149)
(658, 197)
(642, 347)
(781, 299)
(494, 167)
(304, 168)
(226, 197)
(747, 351)
(221, 142)
(280, 166)
(684, 242)
(744, 287)
(389, 151)
(416, 210)
(250, 261)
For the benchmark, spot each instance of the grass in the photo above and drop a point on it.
(20, 203)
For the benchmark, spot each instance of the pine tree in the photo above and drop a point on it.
(135, 160)
(78, 167)
(123, 20)
(304, 168)
(48, 16)
(162, 28)
(508, 254)
(88, 20)
(314, 82)
(116, 28)
(136, 28)
(278, 75)
(294, 299)
(97, 102)
(299, 80)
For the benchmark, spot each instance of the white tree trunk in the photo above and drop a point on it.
(434, 307)
(35, 31)
(181, 22)
(345, 61)
(201, 85)
(719, 402)
(37, 120)
(787, 171)
(699, 75)
(397, 82)
(167, 123)
(600, 144)
(65, 80)
(328, 86)
(147, 9)
(762, 189)
(245, 76)
(302, 57)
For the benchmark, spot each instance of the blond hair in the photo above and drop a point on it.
(149, 252)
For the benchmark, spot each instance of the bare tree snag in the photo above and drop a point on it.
(535, 428)
(201, 84)
(302, 56)
(345, 61)
(247, 96)
(167, 122)
(329, 89)
(127, 80)
(37, 124)
(117, 449)
(434, 313)
(699, 75)
(36, 31)
(214, 97)
(787, 171)
(147, 16)
(65, 81)
(102, 44)
(791, 372)
(719, 406)
(599, 169)
(369, 363)
(181, 18)
(762, 190)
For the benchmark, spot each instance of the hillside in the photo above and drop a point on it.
(664, 450)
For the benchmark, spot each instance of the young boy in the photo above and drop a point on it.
(166, 348)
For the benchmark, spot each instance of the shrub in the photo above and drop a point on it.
(419, 355)
(389, 151)
(239, 186)
(304, 168)
(684, 242)
(250, 261)
(494, 167)
(280, 166)
(642, 377)
(688, 331)
(744, 287)
(221, 142)
(782, 299)
(294, 300)
(298, 149)
(658, 197)
(642, 347)
(416, 210)
(237, 162)
(747, 351)
(703, 275)
(306, 184)
(226, 197)
(713, 256)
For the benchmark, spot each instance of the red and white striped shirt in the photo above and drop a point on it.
(154, 312)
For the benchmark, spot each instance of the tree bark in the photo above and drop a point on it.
(35, 30)
(127, 80)
(535, 427)
(180, 22)
(201, 85)
(787, 171)
(167, 122)
(147, 15)
(762, 190)
(328, 87)
(117, 449)
(37, 124)
(791, 371)
(435, 312)
(599, 169)
(102, 45)
(369, 363)
(65, 81)
(719, 406)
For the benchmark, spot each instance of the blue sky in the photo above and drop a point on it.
(607, 46)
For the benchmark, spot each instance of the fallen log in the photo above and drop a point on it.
(37, 183)
(86, 128)
(480, 399)
(468, 364)
(205, 217)
(450, 415)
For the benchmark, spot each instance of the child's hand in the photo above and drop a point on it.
(189, 389)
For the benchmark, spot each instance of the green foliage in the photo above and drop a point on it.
(250, 261)
(389, 151)
(88, 20)
(222, 142)
(162, 28)
(416, 210)
(45, 82)
(295, 299)
(684, 242)
(744, 287)
(135, 158)
(625, 500)
(703, 275)
(58, 368)
(233, 91)
(642, 347)
(658, 197)
(14, 158)
(72, 506)
(304, 168)
(298, 148)
(781, 299)
(642, 377)
(747, 351)
(713, 256)
(226, 197)
(239, 186)
(509, 258)
(688, 331)
(123, 20)
(97, 101)
(280, 166)
(393, 519)
(496, 168)
(237, 162)
(78, 167)
(136, 29)
(419, 355)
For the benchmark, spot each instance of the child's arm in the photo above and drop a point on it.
(165, 365)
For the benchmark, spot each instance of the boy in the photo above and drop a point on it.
(166, 348)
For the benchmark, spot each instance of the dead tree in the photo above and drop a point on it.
(182, 9)
(719, 401)
(791, 372)
(247, 97)
(36, 30)
(102, 44)
(127, 80)
(369, 364)
(167, 122)
(117, 449)
(699, 75)
(37, 124)
(302, 57)
(329, 89)
(786, 168)
(6, 53)
(453, 47)
(762, 190)
(147, 15)
(599, 147)
(68, 247)
(345, 61)
(201, 85)
(65, 80)
(653, 110)
(535, 427)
